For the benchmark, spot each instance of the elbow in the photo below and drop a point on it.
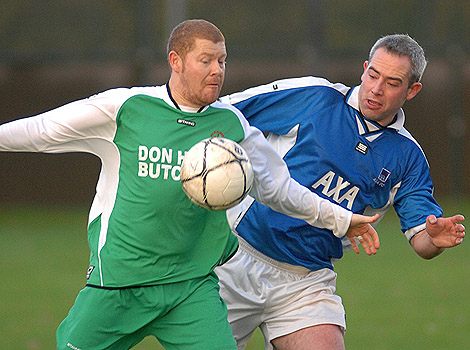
(424, 246)
(429, 254)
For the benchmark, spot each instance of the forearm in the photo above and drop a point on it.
(50, 131)
(424, 246)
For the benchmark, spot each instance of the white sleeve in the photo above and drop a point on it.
(274, 187)
(73, 127)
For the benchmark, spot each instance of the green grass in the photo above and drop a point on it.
(394, 300)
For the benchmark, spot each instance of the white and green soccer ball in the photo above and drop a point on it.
(216, 174)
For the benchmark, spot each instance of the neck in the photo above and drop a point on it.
(179, 106)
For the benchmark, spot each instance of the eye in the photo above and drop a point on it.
(394, 83)
(204, 59)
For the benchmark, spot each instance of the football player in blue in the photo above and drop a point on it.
(348, 145)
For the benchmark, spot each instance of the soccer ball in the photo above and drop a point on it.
(216, 174)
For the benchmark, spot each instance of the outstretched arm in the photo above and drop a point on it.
(440, 233)
(361, 229)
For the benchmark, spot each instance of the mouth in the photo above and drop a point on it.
(213, 86)
(373, 104)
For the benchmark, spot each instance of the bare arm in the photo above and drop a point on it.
(440, 233)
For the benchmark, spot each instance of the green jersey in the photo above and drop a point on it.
(142, 229)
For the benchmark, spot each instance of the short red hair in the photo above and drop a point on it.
(183, 36)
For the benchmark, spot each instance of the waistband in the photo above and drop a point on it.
(297, 269)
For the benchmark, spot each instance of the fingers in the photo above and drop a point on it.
(371, 239)
(375, 237)
(445, 232)
(460, 233)
(364, 244)
(457, 218)
(460, 228)
(358, 219)
(361, 230)
(374, 218)
(431, 220)
(367, 243)
(354, 245)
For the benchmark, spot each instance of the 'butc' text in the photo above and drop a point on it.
(157, 163)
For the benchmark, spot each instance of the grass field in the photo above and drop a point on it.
(394, 300)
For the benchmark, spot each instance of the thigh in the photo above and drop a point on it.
(109, 319)
(304, 302)
(241, 287)
(321, 337)
(199, 322)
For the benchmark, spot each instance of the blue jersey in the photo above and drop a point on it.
(331, 148)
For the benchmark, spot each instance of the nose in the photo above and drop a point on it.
(377, 88)
(217, 68)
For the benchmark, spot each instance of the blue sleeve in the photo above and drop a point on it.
(280, 111)
(414, 200)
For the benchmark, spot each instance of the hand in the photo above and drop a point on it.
(361, 229)
(445, 232)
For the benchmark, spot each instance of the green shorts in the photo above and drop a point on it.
(188, 315)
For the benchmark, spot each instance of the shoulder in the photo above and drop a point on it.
(291, 85)
(404, 146)
(111, 101)
(410, 140)
(231, 111)
(223, 104)
(123, 93)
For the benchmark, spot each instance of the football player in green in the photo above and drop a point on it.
(153, 252)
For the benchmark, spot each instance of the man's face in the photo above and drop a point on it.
(202, 73)
(385, 86)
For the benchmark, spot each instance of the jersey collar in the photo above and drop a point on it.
(183, 108)
(366, 126)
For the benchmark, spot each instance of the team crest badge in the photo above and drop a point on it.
(384, 174)
(217, 133)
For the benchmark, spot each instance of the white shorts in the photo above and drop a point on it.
(276, 297)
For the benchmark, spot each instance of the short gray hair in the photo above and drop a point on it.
(404, 45)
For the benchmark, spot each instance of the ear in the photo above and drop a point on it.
(413, 90)
(365, 65)
(175, 61)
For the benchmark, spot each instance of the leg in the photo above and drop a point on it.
(111, 319)
(321, 337)
(305, 313)
(198, 322)
(241, 286)
(281, 299)
(98, 320)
